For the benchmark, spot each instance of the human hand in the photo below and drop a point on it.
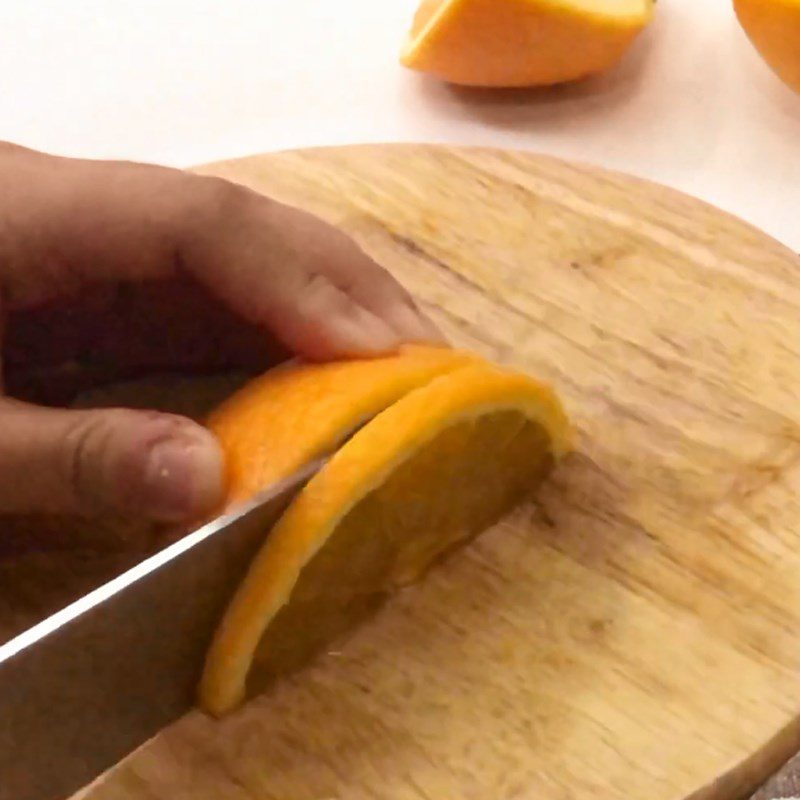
(141, 268)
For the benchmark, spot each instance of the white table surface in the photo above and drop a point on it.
(187, 81)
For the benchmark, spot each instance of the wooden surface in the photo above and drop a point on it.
(635, 635)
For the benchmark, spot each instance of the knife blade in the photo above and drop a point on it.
(88, 685)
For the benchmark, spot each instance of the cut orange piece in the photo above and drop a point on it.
(435, 468)
(522, 42)
(773, 26)
(298, 412)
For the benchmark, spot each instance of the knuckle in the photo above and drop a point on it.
(98, 463)
(224, 199)
(320, 296)
(214, 212)
(82, 448)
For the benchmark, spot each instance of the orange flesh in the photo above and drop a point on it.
(395, 533)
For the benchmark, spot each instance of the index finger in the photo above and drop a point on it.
(77, 223)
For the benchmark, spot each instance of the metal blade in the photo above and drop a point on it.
(85, 687)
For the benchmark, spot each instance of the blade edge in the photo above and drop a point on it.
(106, 591)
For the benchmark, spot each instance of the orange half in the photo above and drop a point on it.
(436, 467)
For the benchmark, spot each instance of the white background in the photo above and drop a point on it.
(182, 82)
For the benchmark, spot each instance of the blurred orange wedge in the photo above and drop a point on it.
(773, 27)
(453, 444)
(512, 43)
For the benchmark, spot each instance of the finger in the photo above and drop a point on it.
(72, 223)
(144, 464)
(321, 248)
(307, 281)
(170, 326)
(69, 224)
(321, 321)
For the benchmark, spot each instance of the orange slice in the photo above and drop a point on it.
(432, 470)
(298, 412)
(522, 42)
(773, 27)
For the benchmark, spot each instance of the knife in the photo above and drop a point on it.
(88, 685)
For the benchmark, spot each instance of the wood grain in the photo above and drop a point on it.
(637, 633)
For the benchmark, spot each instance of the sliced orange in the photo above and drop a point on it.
(432, 470)
(298, 412)
(773, 27)
(522, 42)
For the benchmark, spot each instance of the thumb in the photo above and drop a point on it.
(140, 463)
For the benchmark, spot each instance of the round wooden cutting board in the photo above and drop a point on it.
(636, 634)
